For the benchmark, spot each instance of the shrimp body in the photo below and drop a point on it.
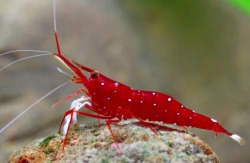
(116, 100)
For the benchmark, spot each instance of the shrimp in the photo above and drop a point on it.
(114, 101)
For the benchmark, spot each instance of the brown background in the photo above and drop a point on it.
(197, 51)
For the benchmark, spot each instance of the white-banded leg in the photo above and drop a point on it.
(75, 105)
(70, 116)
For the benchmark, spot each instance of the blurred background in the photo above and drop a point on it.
(196, 51)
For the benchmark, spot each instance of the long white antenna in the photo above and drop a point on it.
(55, 32)
(36, 51)
(33, 56)
(63, 72)
(54, 14)
(39, 100)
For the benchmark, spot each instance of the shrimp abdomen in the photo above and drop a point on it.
(155, 106)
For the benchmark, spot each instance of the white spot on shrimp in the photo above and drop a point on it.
(129, 100)
(213, 120)
(141, 101)
(190, 117)
(153, 93)
(178, 113)
(94, 93)
(154, 104)
(175, 124)
(115, 91)
(182, 106)
(116, 84)
(108, 98)
(102, 83)
(169, 99)
(147, 120)
(104, 107)
(166, 110)
(138, 91)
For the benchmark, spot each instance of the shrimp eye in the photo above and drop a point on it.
(94, 74)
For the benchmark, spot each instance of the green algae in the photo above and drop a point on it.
(46, 141)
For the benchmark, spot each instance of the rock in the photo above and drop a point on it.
(94, 143)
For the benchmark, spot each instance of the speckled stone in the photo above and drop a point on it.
(94, 143)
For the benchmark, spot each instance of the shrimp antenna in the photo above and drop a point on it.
(54, 14)
(14, 51)
(63, 72)
(33, 56)
(56, 37)
(32, 105)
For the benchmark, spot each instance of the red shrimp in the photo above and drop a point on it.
(114, 101)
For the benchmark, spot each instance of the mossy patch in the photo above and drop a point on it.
(48, 151)
(46, 141)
